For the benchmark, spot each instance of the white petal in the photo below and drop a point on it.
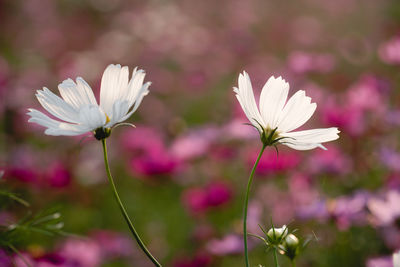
(92, 117)
(135, 85)
(245, 96)
(55, 127)
(272, 99)
(296, 112)
(67, 130)
(77, 94)
(120, 108)
(304, 146)
(41, 119)
(114, 85)
(309, 139)
(56, 105)
(141, 94)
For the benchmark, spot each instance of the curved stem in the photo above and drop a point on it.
(246, 203)
(276, 258)
(122, 208)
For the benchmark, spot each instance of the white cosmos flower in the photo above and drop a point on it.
(77, 109)
(276, 118)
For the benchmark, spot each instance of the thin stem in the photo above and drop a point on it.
(276, 258)
(16, 251)
(293, 263)
(246, 203)
(122, 208)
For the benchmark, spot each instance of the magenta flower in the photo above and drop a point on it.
(389, 52)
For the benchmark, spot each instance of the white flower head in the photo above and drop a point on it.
(77, 110)
(276, 118)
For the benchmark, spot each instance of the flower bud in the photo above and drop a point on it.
(276, 235)
(291, 246)
(291, 241)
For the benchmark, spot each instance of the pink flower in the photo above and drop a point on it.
(302, 190)
(380, 262)
(367, 94)
(194, 144)
(331, 161)
(200, 260)
(157, 162)
(344, 116)
(113, 244)
(350, 210)
(362, 106)
(22, 174)
(195, 200)
(302, 62)
(141, 139)
(5, 260)
(235, 130)
(385, 210)
(233, 243)
(150, 157)
(19, 262)
(51, 260)
(82, 252)
(389, 51)
(218, 193)
(57, 175)
(198, 200)
(315, 210)
(271, 162)
(390, 158)
(230, 244)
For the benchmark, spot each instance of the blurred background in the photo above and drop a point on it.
(182, 172)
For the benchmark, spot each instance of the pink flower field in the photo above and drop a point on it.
(183, 133)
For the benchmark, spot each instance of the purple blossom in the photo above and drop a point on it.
(390, 158)
(380, 262)
(386, 209)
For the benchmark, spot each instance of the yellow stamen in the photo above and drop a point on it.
(107, 118)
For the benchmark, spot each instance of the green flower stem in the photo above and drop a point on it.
(246, 203)
(276, 258)
(122, 208)
(293, 263)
